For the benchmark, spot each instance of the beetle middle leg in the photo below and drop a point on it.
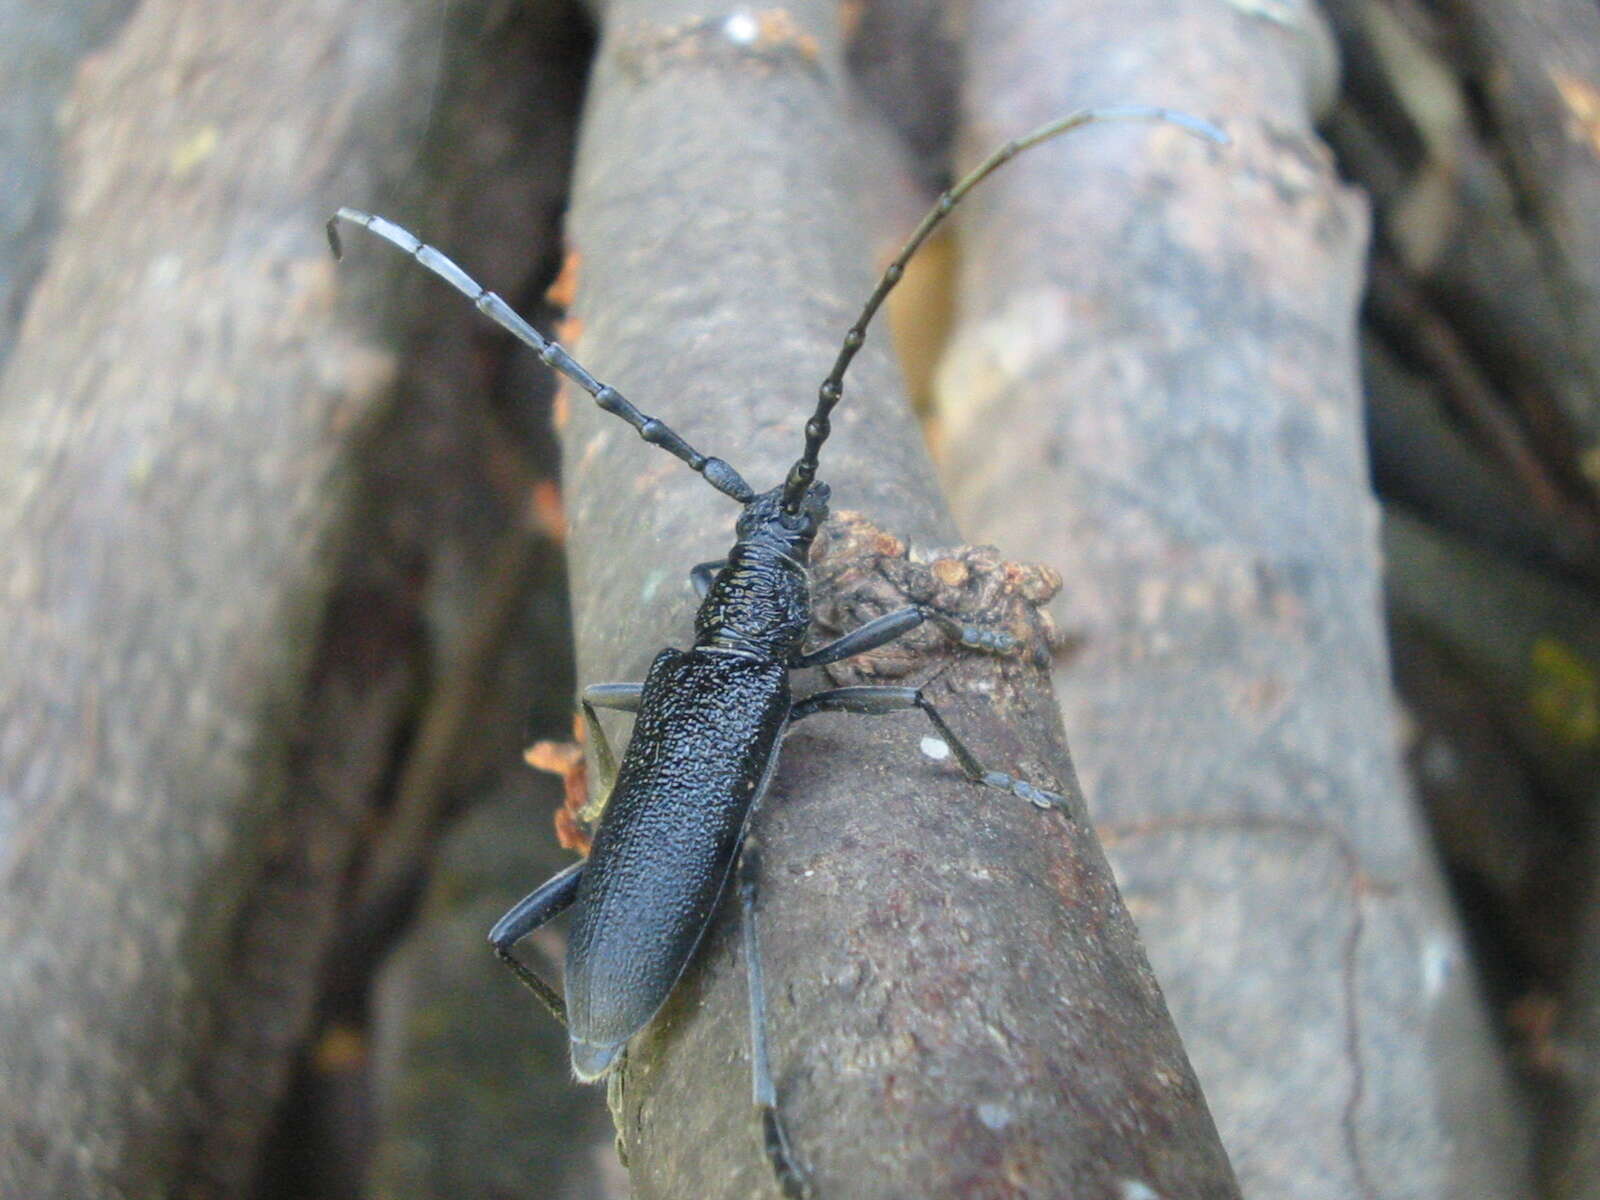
(876, 701)
(539, 906)
(618, 697)
(791, 1179)
(880, 631)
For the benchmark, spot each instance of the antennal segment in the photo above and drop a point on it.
(716, 472)
(818, 428)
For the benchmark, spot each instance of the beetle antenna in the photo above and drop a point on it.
(716, 472)
(828, 395)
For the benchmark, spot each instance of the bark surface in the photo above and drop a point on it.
(1153, 386)
(958, 1005)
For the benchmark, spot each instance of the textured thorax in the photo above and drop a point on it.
(759, 604)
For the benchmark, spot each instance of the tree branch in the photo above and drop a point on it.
(957, 995)
(1158, 341)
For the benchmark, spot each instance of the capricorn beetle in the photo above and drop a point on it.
(709, 721)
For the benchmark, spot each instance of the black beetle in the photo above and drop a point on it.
(710, 719)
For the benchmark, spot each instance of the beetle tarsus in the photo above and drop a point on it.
(976, 637)
(792, 1180)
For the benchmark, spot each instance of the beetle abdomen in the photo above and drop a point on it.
(706, 733)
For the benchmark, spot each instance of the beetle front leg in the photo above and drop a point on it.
(546, 901)
(880, 631)
(702, 574)
(791, 1179)
(876, 701)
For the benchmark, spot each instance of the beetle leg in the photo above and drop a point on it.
(791, 1179)
(875, 701)
(533, 910)
(619, 697)
(701, 575)
(880, 631)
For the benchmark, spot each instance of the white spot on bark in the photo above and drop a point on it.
(652, 584)
(995, 1116)
(741, 28)
(1134, 1189)
(1438, 965)
(935, 749)
(1279, 12)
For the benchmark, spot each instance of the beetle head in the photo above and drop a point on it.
(764, 519)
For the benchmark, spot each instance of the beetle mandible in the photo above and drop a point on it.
(709, 721)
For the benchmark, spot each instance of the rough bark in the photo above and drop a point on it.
(958, 1005)
(1153, 386)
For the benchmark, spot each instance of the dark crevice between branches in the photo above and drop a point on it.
(465, 476)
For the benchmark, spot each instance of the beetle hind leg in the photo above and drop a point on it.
(792, 1180)
(550, 898)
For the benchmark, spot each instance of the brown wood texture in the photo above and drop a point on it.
(1153, 385)
(958, 1002)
